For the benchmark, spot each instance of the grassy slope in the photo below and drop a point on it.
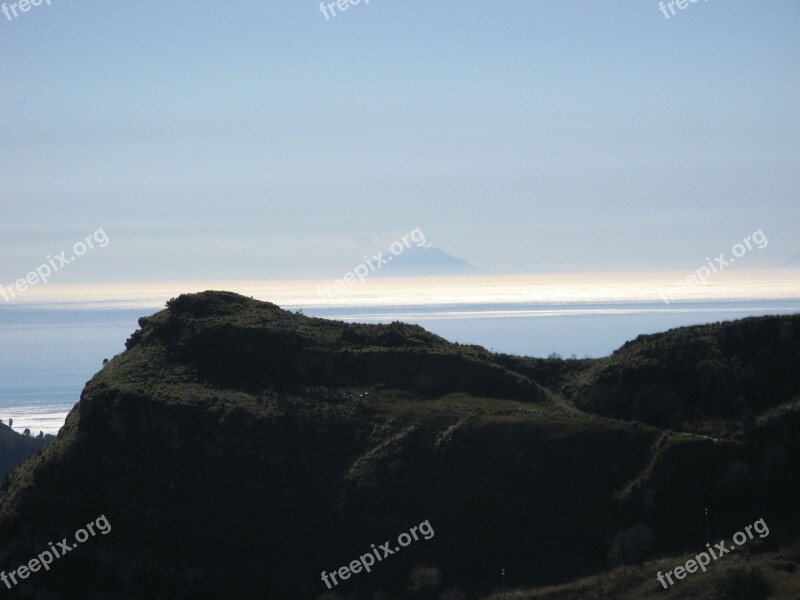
(750, 575)
(389, 423)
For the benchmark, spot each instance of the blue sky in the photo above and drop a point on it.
(259, 140)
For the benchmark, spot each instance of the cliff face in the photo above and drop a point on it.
(238, 450)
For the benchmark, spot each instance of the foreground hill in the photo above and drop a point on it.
(751, 575)
(238, 450)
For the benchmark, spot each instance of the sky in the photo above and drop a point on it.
(259, 140)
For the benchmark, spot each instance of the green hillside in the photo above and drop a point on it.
(238, 450)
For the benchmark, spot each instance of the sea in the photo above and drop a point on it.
(55, 339)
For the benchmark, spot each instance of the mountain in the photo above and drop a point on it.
(420, 261)
(238, 450)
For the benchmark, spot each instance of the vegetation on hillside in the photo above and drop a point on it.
(239, 450)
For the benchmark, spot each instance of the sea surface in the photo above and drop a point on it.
(52, 345)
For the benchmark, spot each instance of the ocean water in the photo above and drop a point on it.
(52, 346)
(585, 330)
(47, 355)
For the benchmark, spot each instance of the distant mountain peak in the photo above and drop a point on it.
(426, 260)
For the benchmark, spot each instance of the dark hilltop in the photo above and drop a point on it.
(238, 450)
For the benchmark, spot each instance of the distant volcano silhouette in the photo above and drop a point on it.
(426, 260)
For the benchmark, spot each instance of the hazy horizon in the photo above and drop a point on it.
(270, 143)
(731, 285)
(606, 170)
